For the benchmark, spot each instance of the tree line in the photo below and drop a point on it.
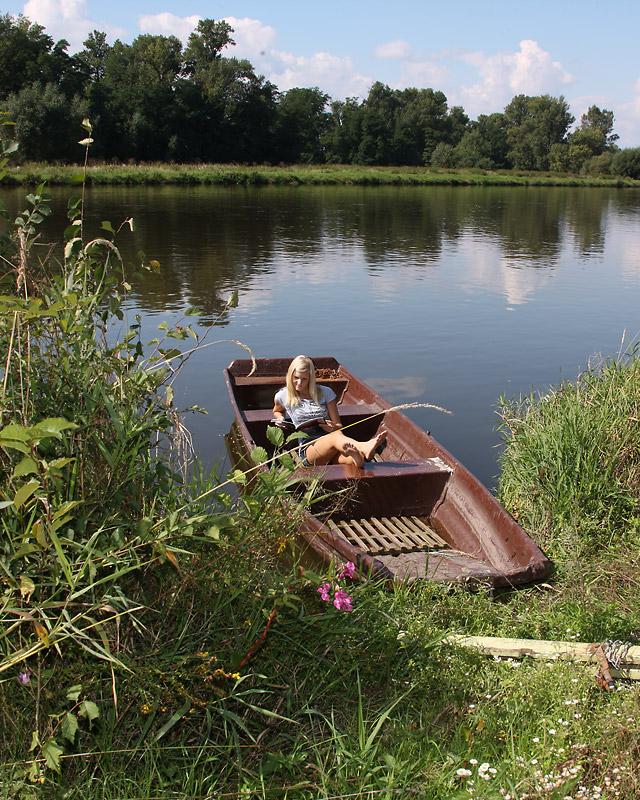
(157, 100)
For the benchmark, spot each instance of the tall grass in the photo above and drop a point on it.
(312, 175)
(571, 465)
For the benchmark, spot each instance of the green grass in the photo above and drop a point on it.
(368, 704)
(313, 175)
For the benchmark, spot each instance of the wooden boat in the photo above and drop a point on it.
(418, 513)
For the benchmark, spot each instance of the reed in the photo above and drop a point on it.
(571, 464)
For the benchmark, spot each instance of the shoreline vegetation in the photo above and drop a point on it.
(155, 642)
(32, 174)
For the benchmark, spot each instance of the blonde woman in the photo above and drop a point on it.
(313, 409)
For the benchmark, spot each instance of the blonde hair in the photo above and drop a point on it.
(301, 364)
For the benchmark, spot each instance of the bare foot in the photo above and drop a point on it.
(351, 451)
(369, 448)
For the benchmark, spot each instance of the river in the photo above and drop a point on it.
(445, 295)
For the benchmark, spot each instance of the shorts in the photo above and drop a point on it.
(313, 432)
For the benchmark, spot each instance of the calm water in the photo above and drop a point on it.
(442, 295)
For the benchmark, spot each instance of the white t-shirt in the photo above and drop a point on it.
(307, 410)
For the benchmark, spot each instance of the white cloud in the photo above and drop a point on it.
(530, 70)
(253, 38)
(168, 24)
(333, 74)
(396, 49)
(424, 74)
(627, 119)
(256, 42)
(67, 19)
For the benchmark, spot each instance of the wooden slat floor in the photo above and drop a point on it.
(389, 535)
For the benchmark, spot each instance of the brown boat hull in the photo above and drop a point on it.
(417, 514)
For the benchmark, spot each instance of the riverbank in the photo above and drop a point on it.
(300, 175)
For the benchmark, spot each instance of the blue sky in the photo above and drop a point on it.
(479, 54)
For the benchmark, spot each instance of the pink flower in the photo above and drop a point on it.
(342, 601)
(24, 677)
(324, 592)
(348, 571)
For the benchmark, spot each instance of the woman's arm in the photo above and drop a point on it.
(333, 423)
(279, 411)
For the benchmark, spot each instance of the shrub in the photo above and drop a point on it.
(627, 163)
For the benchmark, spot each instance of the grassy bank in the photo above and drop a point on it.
(153, 644)
(299, 175)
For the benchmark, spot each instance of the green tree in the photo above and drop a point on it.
(378, 125)
(302, 123)
(91, 64)
(594, 137)
(25, 50)
(457, 124)
(627, 163)
(93, 57)
(240, 107)
(534, 124)
(231, 109)
(443, 155)
(421, 123)
(205, 46)
(138, 95)
(484, 143)
(46, 122)
(344, 132)
(600, 120)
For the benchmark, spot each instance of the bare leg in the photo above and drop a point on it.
(335, 447)
(351, 455)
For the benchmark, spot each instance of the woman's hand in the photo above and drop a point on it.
(328, 426)
(332, 422)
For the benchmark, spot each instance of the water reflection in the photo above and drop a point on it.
(210, 239)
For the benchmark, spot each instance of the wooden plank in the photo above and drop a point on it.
(419, 535)
(375, 535)
(390, 524)
(394, 542)
(410, 542)
(423, 526)
(420, 529)
(345, 410)
(409, 532)
(545, 649)
(260, 380)
(344, 529)
(373, 545)
(390, 535)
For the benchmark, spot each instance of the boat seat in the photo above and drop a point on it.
(339, 473)
(389, 535)
(345, 409)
